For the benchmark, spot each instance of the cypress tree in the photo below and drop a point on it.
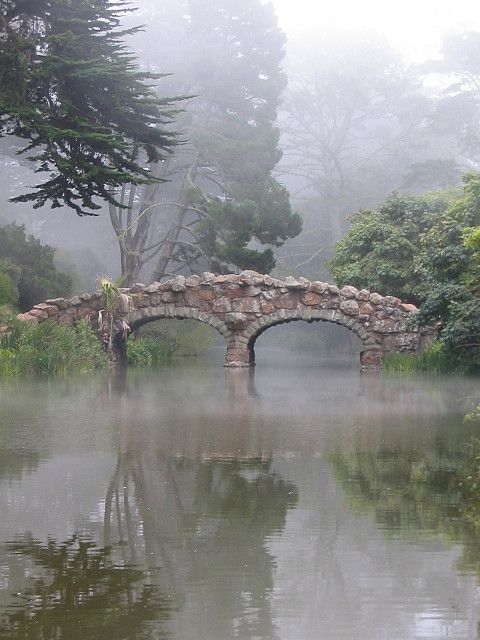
(70, 88)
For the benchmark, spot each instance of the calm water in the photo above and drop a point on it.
(197, 503)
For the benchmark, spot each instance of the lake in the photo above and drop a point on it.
(290, 502)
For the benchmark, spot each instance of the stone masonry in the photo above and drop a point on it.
(243, 306)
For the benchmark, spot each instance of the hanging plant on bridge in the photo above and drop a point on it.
(113, 300)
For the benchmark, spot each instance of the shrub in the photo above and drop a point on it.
(434, 359)
(8, 291)
(149, 352)
(188, 337)
(28, 349)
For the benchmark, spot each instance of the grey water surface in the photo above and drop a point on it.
(293, 502)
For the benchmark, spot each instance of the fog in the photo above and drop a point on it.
(415, 29)
(369, 99)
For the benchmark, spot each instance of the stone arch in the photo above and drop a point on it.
(140, 317)
(242, 306)
(247, 338)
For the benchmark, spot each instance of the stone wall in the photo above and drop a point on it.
(242, 306)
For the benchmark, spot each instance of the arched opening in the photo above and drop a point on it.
(310, 342)
(163, 338)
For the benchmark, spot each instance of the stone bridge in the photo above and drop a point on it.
(243, 306)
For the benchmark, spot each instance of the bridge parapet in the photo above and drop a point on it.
(242, 306)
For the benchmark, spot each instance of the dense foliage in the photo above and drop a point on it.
(46, 348)
(27, 271)
(381, 248)
(423, 249)
(70, 90)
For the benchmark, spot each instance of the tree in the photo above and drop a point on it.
(350, 117)
(450, 268)
(72, 91)
(356, 124)
(457, 106)
(222, 202)
(381, 248)
(423, 249)
(28, 265)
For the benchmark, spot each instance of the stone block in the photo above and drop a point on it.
(169, 296)
(222, 305)
(376, 299)
(311, 298)
(40, 314)
(60, 303)
(387, 325)
(330, 302)
(287, 301)
(408, 308)
(246, 305)
(226, 277)
(236, 320)
(371, 359)
(349, 292)
(272, 282)
(363, 294)
(365, 309)
(292, 283)
(318, 287)
(178, 283)
(233, 291)
(267, 306)
(138, 287)
(50, 309)
(192, 281)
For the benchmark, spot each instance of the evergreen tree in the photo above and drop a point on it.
(69, 87)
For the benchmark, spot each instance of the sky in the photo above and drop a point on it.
(413, 27)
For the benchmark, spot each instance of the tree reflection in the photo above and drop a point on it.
(204, 522)
(14, 464)
(74, 590)
(432, 493)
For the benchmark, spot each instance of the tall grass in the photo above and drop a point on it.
(149, 352)
(159, 343)
(434, 359)
(47, 348)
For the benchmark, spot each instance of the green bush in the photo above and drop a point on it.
(28, 349)
(434, 359)
(8, 291)
(186, 337)
(149, 352)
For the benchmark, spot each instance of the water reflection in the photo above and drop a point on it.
(74, 590)
(431, 495)
(281, 504)
(202, 521)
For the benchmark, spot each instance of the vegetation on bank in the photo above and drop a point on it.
(47, 348)
(424, 249)
(163, 341)
(27, 349)
(434, 359)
